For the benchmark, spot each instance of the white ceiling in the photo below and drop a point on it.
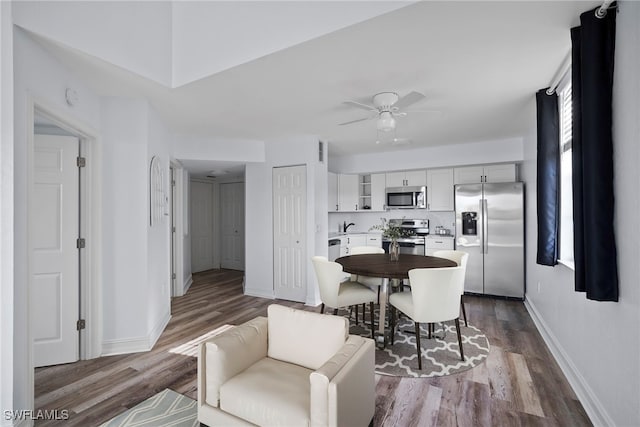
(477, 62)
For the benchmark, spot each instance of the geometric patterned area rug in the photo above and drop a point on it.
(166, 408)
(439, 356)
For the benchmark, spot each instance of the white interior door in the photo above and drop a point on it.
(54, 264)
(232, 227)
(201, 226)
(289, 232)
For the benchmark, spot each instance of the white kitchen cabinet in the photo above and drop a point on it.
(486, 173)
(500, 173)
(374, 239)
(332, 192)
(354, 240)
(406, 178)
(378, 185)
(348, 192)
(437, 243)
(440, 189)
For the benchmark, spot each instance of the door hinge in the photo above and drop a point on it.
(173, 276)
(81, 162)
(81, 324)
(173, 183)
(80, 243)
(173, 229)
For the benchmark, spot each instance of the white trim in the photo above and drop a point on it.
(187, 284)
(136, 345)
(260, 293)
(312, 301)
(178, 289)
(157, 331)
(91, 214)
(592, 405)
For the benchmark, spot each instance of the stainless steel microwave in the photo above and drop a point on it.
(406, 197)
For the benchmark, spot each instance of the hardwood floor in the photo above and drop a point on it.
(519, 385)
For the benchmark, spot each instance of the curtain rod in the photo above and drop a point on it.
(564, 68)
(601, 12)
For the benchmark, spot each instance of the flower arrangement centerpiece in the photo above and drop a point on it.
(391, 232)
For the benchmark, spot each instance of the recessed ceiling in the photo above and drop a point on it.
(479, 63)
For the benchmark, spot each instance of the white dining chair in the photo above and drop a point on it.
(434, 297)
(336, 293)
(460, 258)
(373, 283)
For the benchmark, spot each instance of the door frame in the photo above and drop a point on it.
(90, 228)
(178, 218)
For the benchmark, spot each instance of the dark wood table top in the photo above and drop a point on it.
(380, 265)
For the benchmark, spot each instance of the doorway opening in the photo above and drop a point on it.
(63, 205)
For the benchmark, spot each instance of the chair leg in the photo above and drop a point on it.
(418, 345)
(335, 311)
(464, 312)
(371, 314)
(392, 323)
(364, 309)
(459, 339)
(322, 309)
(429, 329)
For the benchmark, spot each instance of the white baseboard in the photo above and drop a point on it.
(187, 284)
(135, 345)
(261, 293)
(157, 331)
(592, 405)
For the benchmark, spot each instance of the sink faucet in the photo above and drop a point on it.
(345, 226)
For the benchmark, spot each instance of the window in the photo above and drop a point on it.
(566, 191)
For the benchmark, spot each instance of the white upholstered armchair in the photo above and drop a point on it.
(293, 368)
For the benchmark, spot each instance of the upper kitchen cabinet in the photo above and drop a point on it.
(348, 193)
(372, 191)
(406, 179)
(332, 197)
(486, 173)
(440, 189)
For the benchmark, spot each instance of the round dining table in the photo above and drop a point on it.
(381, 265)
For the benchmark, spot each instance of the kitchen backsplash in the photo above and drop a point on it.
(365, 220)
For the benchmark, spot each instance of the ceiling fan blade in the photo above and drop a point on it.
(354, 121)
(423, 111)
(408, 99)
(361, 106)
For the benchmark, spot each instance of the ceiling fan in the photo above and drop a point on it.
(386, 107)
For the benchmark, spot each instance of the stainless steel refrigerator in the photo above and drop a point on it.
(490, 227)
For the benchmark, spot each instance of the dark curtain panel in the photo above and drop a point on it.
(593, 45)
(548, 177)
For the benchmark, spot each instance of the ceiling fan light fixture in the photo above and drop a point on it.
(386, 122)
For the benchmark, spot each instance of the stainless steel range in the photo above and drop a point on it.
(413, 232)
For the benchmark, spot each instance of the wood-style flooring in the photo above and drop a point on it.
(520, 384)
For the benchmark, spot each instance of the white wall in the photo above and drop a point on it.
(259, 213)
(159, 236)
(6, 210)
(36, 74)
(125, 196)
(598, 343)
(188, 147)
(506, 150)
(108, 30)
(136, 294)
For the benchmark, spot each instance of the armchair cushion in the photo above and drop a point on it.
(304, 338)
(270, 392)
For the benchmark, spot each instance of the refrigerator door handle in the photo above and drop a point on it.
(481, 221)
(485, 227)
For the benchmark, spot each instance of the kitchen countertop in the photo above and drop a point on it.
(335, 235)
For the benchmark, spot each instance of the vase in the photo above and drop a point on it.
(394, 250)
